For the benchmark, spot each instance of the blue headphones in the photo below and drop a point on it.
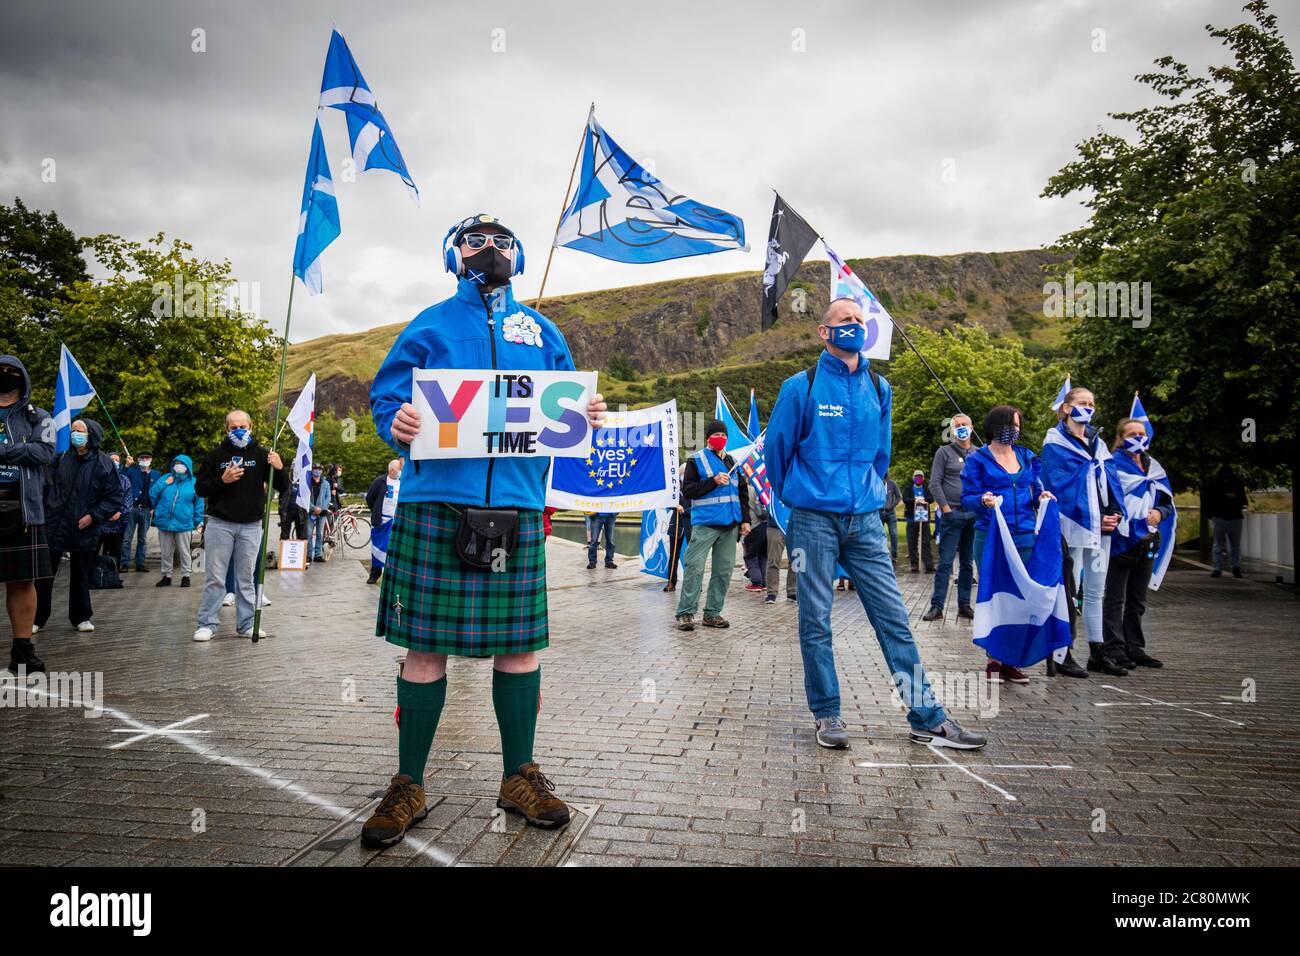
(451, 258)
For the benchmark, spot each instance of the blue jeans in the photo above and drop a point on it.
(137, 522)
(1227, 540)
(857, 542)
(956, 539)
(226, 543)
(595, 525)
(316, 536)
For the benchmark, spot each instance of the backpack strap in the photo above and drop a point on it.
(875, 380)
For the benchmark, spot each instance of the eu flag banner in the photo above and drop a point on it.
(632, 465)
(1021, 614)
(657, 544)
(72, 393)
(622, 211)
(342, 87)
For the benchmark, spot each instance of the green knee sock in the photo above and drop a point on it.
(514, 697)
(421, 706)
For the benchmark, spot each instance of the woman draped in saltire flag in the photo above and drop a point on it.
(1138, 559)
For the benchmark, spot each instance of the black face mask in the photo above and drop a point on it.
(492, 266)
(10, 383)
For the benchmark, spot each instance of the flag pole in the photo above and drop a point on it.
(564, 205)
(111, 425)
(259, 578)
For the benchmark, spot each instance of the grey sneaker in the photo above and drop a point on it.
(950, 734)
(832, 733)
(685, 622)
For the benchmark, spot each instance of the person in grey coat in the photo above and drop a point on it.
(956, 524)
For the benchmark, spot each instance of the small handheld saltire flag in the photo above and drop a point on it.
(739, 444)
(318, 221)
(1065, 390)
(623, 212)
(632, 465)
(342, 87)
(846, 285)
(1138, 413)
(302, 420)
(657, 545)
(1141, 489)
(1021, 614)
(788, 240)
(72, 393)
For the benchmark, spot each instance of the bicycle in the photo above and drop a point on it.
(349, 524)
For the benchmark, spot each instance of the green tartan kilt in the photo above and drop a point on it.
(429, 601)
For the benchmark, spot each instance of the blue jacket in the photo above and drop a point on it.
(461, 332)
(720, 505)
(1019, 492)
(176, 502)
(141, 486)
(830, 453)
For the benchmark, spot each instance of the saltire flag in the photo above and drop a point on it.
(846, 285)
(302, 421)
(1138, 413)
(1141, 490)
(623, 212)
(657, 543)
(1086, 483)
(1065, 390)
(72, 393)
(788, 240)
(379, 544)
(342, 87)
(632, 465)
(1021, 610)
(318, 219)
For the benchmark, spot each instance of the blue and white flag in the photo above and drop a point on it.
(623, 212)
(302, 420)
(845, 284)
(739, 444)
(72, 393)
(1082, 484)
(632, 465)
(657, 545)
(342, 87)
(1138, 413)
(754, 426)
(1021, 610)
(1060, 396)
(1141, 490)
(318, 221)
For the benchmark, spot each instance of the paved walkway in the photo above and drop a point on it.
(674, 748)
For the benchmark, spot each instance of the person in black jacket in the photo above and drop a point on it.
(233, 480)
(83, 491)
(381, 499)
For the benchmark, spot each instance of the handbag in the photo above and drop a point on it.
(486, 535)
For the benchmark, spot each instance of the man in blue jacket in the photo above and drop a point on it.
(827, 447)
(434, 602)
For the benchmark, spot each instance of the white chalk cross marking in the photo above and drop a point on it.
(968, 769)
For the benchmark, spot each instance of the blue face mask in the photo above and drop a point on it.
(962, 432)
(1136, 444)
(79, 439)
(851, 337)
(239, 437)
(1082, 415)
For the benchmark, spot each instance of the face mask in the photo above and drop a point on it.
(10, 383)
(918, 480)
(1136, 443)
(487, 267)
(1007, 435)
(79, 439)
(851, 338)
(145, 463)
(962, 432)
(1082, 415)
(718, 442)
(179, 469)
(117, 465)
(239, 437)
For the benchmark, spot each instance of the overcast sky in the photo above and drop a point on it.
(856, 131)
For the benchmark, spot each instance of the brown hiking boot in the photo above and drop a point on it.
(528, 792)
(403, 807)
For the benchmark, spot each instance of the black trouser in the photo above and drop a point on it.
(1127, 579)
(915, 551)
(1067, 577)
(111, 545)
(79, 608)
(293, 519)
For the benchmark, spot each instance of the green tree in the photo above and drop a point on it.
(350, 442)
(1202, 202)
(39, 257)
(980, 374)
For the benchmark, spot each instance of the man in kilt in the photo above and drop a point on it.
(431, 602)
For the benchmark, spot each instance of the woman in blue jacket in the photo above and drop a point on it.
(1003, 475)
(177, 511)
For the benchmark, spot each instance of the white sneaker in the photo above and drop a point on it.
(261, 632)
(203, 634)
(35, 629)
(265, 602)
(85, 627)
(229, 600)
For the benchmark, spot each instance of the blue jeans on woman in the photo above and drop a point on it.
(857, 543)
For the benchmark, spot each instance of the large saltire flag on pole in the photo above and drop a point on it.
(302, 419)
(342, 87)
(623, 212)
(1021, 614)
(72, 393)
(632, 465)
(318, 220)
(845, 284)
